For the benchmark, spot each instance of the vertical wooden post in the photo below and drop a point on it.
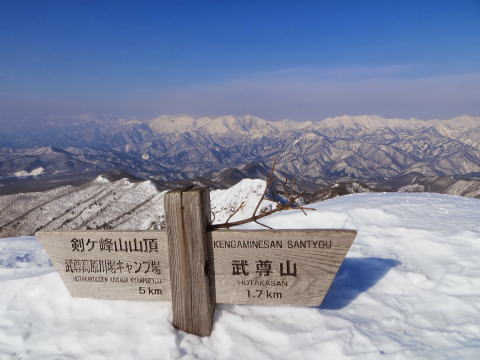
(187, 213)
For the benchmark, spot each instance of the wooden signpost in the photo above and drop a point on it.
(195, 268)
(193, 300)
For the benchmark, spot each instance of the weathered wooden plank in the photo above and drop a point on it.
(187, 214)
(130, 265)
(292, 267)
(317, 255)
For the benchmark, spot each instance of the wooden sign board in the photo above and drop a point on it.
(195, 268)
(293, 267)
(130, 265)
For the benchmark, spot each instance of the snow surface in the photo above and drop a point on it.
(248, 192)
(120, 205)
(408, 289)
(34, 172)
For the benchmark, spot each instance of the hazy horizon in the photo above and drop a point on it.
(77, 119)
(275, 60)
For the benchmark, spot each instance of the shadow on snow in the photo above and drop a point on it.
(356, 275)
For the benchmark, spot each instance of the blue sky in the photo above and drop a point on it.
(277, 59)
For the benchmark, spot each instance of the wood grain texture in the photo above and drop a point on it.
(90, 268)
(317, 255)
(187, 213)
(317, 263)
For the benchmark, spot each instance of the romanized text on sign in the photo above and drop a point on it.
(112, 265)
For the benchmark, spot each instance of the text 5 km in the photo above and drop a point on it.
(149, 291)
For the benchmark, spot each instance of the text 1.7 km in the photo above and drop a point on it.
(267, 294)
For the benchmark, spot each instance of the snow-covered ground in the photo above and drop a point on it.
(243, 198)
(119, 205)
(34, 172)
(408, 289)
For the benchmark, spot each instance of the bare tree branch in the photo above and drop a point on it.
(267, 185)
(290, 203)
(279, 207)
(259, 223)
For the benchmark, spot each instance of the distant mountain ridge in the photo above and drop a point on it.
(170, 148)
(253, 126)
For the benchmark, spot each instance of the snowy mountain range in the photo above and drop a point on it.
(172, 148)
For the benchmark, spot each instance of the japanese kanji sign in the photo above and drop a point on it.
(250, 267)
(294, 267)
(195, 268)
(130, 265)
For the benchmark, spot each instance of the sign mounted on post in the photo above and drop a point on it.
(195, 268)
(292, 267)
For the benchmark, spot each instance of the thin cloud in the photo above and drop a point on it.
(334, 73)
(306, 93)
(282, 95)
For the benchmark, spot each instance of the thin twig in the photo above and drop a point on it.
(259, 223)
(242, 205)
(267, 185)
(245, 221)
(307, 208)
